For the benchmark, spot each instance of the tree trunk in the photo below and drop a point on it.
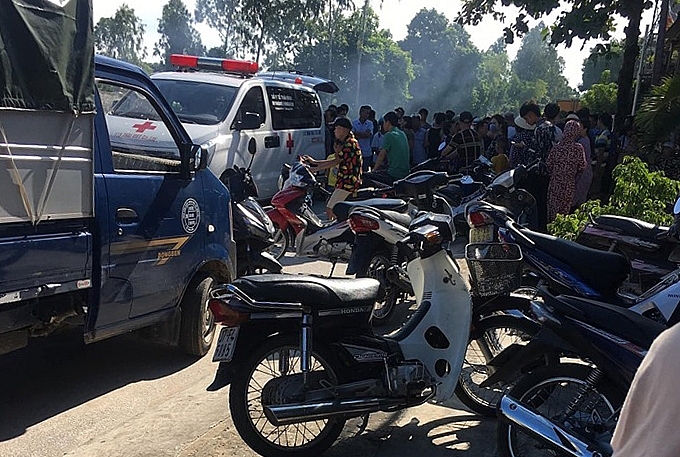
(659, 58)
(630, 53)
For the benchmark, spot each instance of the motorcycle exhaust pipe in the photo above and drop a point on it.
(540, 428)
(305, 412)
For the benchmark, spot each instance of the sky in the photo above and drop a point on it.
(395, 16)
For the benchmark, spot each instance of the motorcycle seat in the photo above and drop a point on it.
(632, 227)
(613, 319)
(601, 270)
(315, 292)
(342, 209)
(402, 219)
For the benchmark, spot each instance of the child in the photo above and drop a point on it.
(500, 160)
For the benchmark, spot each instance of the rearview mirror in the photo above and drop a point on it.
(676, 208)
(252, 146)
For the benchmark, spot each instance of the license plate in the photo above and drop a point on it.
(481, 234)
(226, 343)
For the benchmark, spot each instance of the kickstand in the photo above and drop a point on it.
(334, 261)
(364, 424)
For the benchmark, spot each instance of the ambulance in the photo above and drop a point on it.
(225, 104)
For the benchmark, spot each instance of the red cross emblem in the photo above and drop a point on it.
(148, 125)
(290, 143)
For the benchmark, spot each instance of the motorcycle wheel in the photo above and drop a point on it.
(489, 337)
(550, 390)
(281, 243)
(251, 389)
(387, 298)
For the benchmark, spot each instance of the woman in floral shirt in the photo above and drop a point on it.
(347, 158)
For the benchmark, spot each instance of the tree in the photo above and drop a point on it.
(601, 97)
(121, 36)
(260, 27)
(539, 69)
(445, 62)
(589, 19)
(659, 112)
(178, 36)
(490, 94)
(607, 56)
(386, 68)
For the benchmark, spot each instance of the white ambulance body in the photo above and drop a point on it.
(212, 105)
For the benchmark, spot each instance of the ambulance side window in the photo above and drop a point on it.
(253, 102)
(140, 140)
(294, 109)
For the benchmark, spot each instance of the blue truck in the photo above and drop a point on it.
(111, 223)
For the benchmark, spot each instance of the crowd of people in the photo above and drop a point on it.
(571, 155)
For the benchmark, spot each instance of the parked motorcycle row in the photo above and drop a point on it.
(545, 333)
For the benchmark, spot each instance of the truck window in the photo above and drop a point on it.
(253, 102)
(294, 109)
(140, 140)
(197, 102)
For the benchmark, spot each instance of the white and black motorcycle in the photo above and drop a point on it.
(301, 356)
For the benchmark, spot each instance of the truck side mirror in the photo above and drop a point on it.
(250, 121)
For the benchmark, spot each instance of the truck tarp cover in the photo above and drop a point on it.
(47, 55)
(46, 110)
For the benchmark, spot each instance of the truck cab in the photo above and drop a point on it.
(151, 229)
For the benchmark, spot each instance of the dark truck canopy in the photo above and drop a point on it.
(46, 110)
(47, 55)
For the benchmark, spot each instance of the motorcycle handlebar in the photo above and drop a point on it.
(515, 228)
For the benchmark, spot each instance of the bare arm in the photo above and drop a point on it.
(381, 157)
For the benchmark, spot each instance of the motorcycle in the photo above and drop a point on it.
(562, 267)
(253, 230)
(651, 253)
(301, 356)
(570, 407)
(297, 224)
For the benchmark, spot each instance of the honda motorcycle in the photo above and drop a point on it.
(253, 230)
(570, 407)
(301, 356)
(298, 225)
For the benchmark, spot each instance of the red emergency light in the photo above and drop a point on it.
(213, 63)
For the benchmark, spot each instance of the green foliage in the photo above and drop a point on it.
(386, 69)
(603, 57)
(639, 193)
(490, 94)
(601, 97)
(262, 27)
(178, 35)
(121, 36)
(659, 113)
(539, 70)
(444, 60)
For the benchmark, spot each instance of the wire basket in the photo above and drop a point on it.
(495, 268)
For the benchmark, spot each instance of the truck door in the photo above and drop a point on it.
(154, 213)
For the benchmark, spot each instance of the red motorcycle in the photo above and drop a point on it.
(297, 224)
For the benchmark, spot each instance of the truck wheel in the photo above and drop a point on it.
(197, 328)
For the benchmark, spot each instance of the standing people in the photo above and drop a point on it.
(465, 146)
(418, 153)
(423, 113)
(348, 160)
(363, 132)
(343, 110)
(606, 151)
(434, 136)
(394, 150)
(585, 178)
(565, 162)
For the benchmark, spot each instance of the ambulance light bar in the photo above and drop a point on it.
(213, 63)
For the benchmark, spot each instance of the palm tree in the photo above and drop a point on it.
(659, 114)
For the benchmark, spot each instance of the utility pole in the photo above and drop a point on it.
(659, 60)
(330, 39)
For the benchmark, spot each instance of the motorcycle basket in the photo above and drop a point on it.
(495, 268)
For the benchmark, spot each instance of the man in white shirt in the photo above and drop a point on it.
(363, 132)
